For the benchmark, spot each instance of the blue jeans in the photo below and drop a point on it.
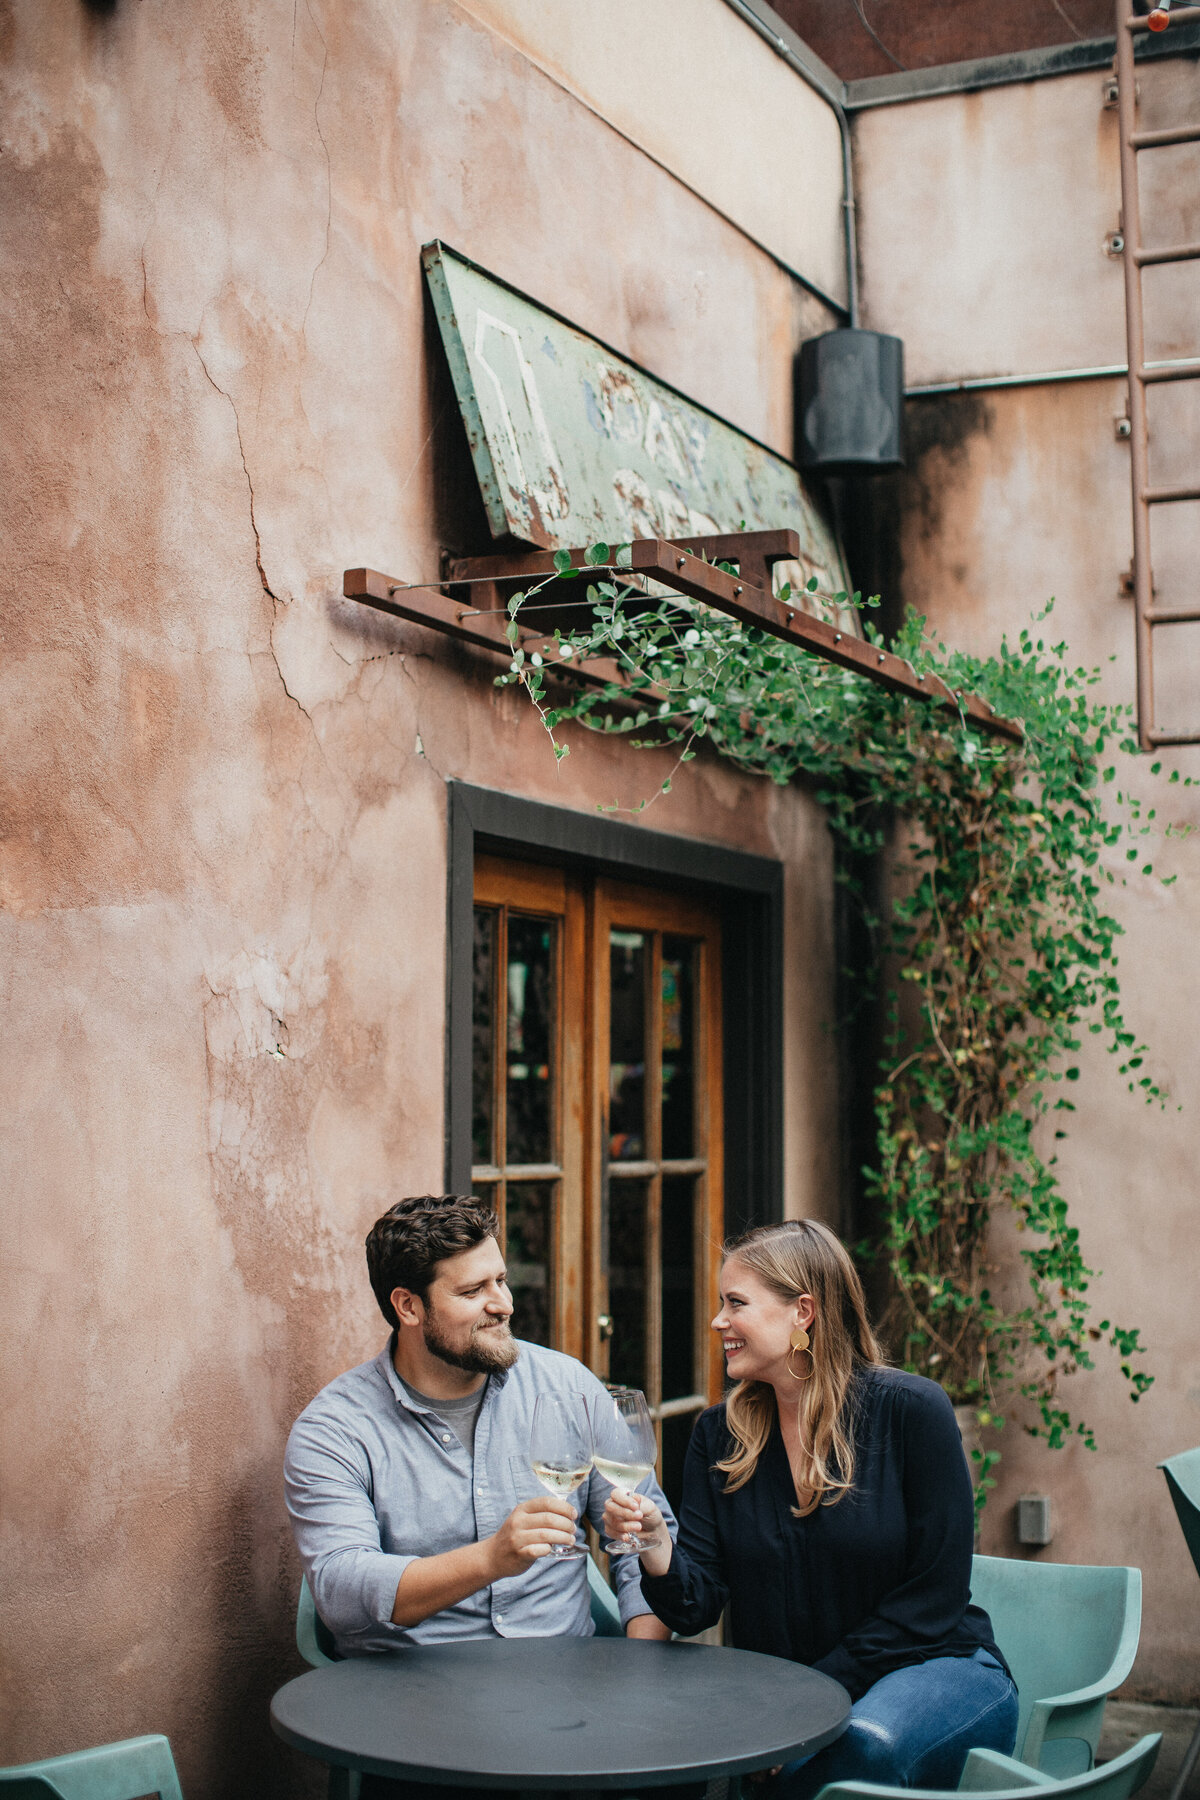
(914, 1728)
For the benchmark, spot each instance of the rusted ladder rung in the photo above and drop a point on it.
(1142, 374)
(1161, 496)
(1182, 15)
(1174, 134)
(1172, 254)
(1169, 371)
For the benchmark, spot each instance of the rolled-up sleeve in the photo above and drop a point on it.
(327, 1480)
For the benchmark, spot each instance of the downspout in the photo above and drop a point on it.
(833, 100)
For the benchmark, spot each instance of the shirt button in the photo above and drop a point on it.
(499, 1618)
(479, 1490)
(445, 1437)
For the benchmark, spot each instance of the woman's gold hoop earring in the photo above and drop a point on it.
(799, 1341)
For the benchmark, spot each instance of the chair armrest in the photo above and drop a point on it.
(987, 1771)
(308, 1640)
(142, 1765)
(1055, 1711)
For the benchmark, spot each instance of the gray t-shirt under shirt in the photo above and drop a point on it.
(460, 1415)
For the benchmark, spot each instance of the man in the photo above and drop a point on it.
(415, 1508)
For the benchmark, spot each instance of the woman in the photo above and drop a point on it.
(828, 1505)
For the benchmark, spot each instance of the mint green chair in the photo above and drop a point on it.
(124, 1771)
(1069, 1633)
(606, 1614)
(987, 1772)
(1183, 1485)
(314, 1640)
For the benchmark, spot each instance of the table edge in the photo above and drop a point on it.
(681, 1772)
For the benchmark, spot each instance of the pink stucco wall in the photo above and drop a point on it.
(983, 220)
(222, 870)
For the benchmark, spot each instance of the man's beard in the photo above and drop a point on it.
(490, 1348)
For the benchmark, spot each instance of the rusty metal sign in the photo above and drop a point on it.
(573, 444)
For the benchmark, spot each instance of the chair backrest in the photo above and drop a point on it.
(314, 1640)
(1005, 1779)
(606, 1615)
(1183, 1483)
(122, 1771)
(1060, 1626)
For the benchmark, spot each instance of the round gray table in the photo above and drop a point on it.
(593, 1712)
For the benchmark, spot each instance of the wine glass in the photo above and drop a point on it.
(560, 1450)
(624, 1449)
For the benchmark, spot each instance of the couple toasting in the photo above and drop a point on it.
(826, 1503)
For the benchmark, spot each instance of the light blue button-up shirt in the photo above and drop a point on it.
(375, 1479)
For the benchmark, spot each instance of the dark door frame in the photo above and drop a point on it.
(749, 892)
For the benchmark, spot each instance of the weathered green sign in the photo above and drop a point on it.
(572, 444)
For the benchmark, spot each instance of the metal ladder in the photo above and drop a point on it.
(1141, 376)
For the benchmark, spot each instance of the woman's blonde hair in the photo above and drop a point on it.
(805, 1257)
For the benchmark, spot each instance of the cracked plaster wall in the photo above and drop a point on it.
(983, 224)
(222, 863)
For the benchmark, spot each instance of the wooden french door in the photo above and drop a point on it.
(597, 1125)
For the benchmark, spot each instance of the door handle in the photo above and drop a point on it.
(604, 1324)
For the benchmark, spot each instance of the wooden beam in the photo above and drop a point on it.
(677, 566)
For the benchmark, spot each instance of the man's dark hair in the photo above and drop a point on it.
(405, 1246)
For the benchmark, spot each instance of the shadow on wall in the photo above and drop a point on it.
(253, 1593)
(871, 511)
(937, 433)
(460, 520)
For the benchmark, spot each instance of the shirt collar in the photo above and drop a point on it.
(387, 1368)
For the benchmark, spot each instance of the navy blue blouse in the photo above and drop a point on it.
(877, 1581)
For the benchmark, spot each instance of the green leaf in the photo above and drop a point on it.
(562, 561)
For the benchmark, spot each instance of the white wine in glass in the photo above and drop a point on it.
(624, 1449)
(560, 1450)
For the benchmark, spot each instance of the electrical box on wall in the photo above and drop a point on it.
(1033, 1519)
(850, 403)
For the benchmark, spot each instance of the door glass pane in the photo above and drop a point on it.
(676, 1435)
(627, 1052)
(482, 1015)
(678, 1051)
(627, 1223)
(528, 1246)
(678, 1287)
(530, 984)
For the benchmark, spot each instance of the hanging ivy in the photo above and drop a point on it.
(997, 944)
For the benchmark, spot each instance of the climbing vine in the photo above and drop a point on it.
(997, 949)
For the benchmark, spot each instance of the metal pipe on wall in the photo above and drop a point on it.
(834, 101)
(1178, 368)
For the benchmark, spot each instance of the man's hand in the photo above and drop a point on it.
(432, 1583)
(628, 1514)
(528, 1532)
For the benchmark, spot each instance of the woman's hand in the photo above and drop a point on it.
(634, 1515)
